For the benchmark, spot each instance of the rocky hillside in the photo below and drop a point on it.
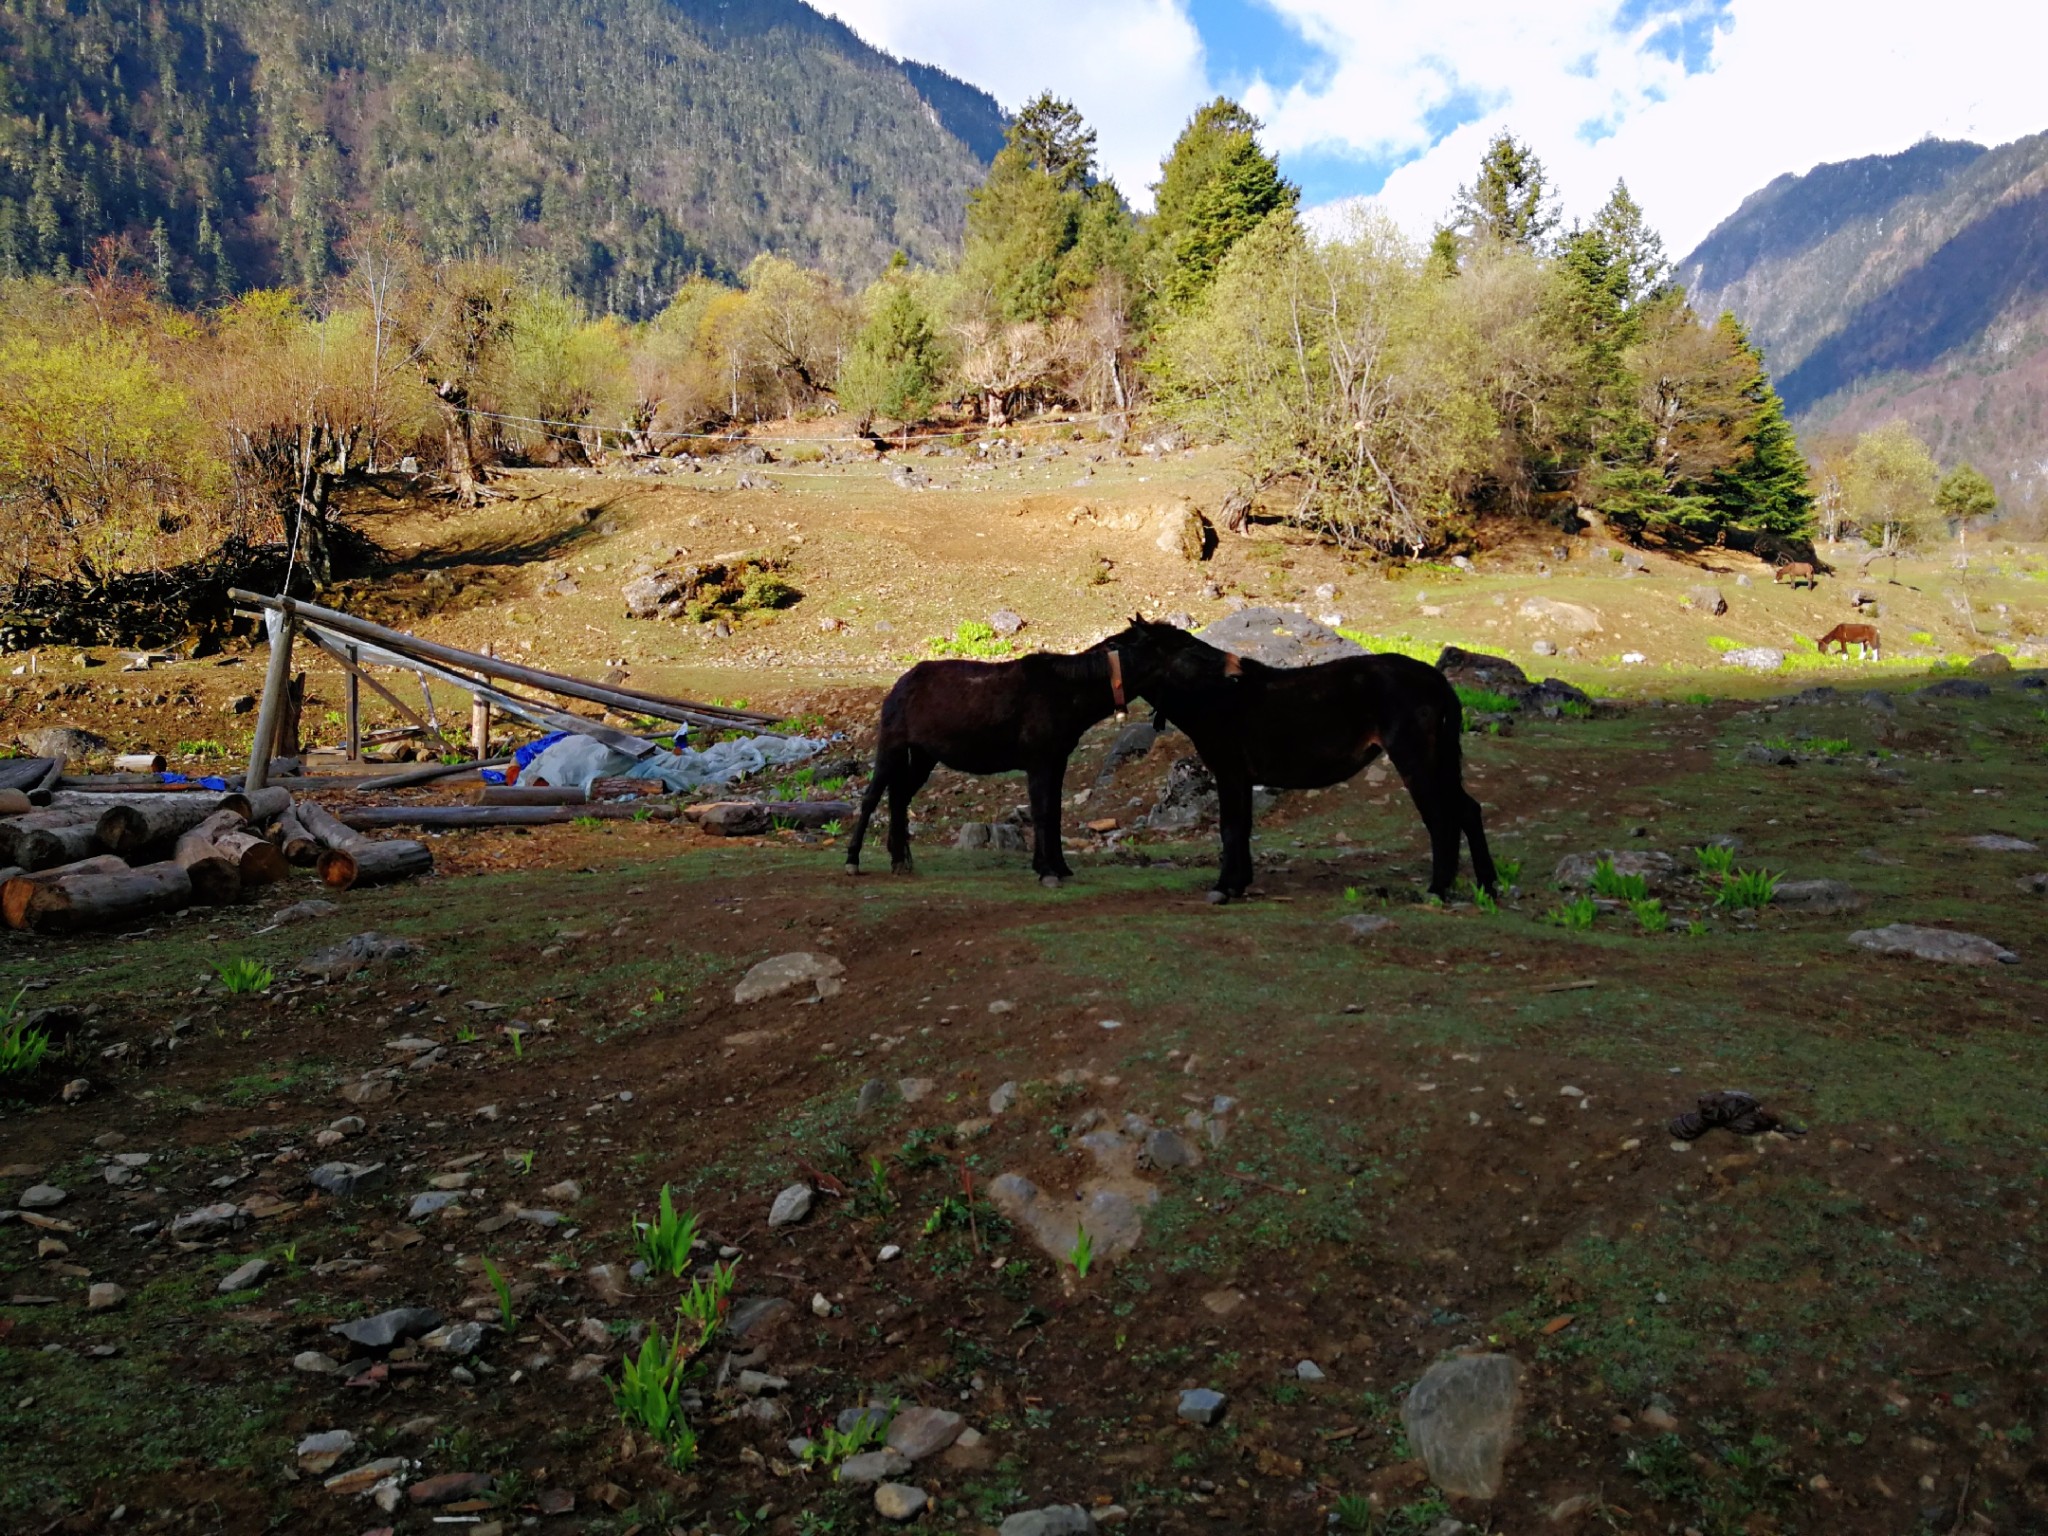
(1911, 285)
(619, 143)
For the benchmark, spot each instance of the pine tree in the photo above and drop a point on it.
(1965, 493)
(896, 363)
(1635, 248)
(1041, 228)
(1510, 202)
(1215, 187)
(1054, 140)
(1767, 492)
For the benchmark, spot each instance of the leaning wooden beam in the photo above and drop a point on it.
(277, 679)
(76, 903)
(351, 665)
(626, 700)
(425, 774)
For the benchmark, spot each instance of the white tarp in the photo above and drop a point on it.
(578, 762)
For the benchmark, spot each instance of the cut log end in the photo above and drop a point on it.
(374, 863)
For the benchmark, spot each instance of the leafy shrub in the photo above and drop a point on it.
(1716, 862)
(1747, 888)
(765, 591)
(1650, 915)
(666, 1241)
(1574, 916)
(1485, 700)
(1610, 883)
(973, 640)
(21, 1049)
(244, 975)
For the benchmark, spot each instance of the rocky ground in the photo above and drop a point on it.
(1388, 1225)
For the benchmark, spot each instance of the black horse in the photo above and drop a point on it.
(1307, 727)
(989, 717)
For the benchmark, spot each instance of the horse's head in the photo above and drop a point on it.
(1162, 659)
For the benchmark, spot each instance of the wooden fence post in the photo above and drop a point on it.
(277, 681)
(480, 721)
(355, 710)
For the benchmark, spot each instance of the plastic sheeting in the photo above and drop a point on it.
(578, 762)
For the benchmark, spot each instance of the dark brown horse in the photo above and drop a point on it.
(1307, 727)
(989, 717)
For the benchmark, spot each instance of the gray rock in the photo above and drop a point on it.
(389, 1328)
(900, 1501)
(432, 1201)
(1279, 637)
(1824, 898)
(1568, 616)
(761, 1384)
(104, 1296)
(873, 1466)
(874, 1093)
(302, 912)
(1883, 703)
(459, 1340)
(243, 1278)
(540, 1218)
(318, 1453)
(758, 1316)
(1708, 600)
(1052, 1520)
(1999, 842)
(1202, 1405)
(2033, 885)
(1308, 1370)
(313, 1363)
(67, 743)
(1990, 664)
(1006, 621)
(915, 1089)
(1188, 799)
(921, 1432)
(1460, 1418)
(973, 834)
(1134, 741)
(1363, 925)
(1759, 755)
(207, 1222)
(1956, 688)
(780, 974)
(41, 1197)
(1165, 1149)
(342, 1180)
(1755, 658)
(791, 1206)
(1476, 669)
(851, 1419)
(1574, 871)
(357, 952)
(645, 596)
(1939, 944)
(568, 1191)
(1544, 648)
(1003, 1099)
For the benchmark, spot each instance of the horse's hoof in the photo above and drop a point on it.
(1218, 898)
(853, 869)
(1050, 882)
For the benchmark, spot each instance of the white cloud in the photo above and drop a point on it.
(1788, 84)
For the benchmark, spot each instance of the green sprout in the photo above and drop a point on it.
(499, 1284)
(1716, 862)
(1747, 888)
(1083, 1255)
(1574, 916)
(243, 976)
(666, 1241)
(1615, 886)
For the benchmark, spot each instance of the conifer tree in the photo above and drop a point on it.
(1510, 202)
(1766, 493)
(1215, 187)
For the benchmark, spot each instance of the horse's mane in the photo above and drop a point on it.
(1087, 666)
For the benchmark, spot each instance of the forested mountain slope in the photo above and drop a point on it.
(1911, 285)
(623, 143)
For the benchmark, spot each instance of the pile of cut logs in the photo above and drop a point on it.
(91, 860)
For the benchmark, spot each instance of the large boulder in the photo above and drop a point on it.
(1279, 637)
(1990, 664)
(1461, 1420)
(1940, 944)
(1566, 616)
(781, 973)
(1574, 871)
(1476, 669)
(1707, 600)
(66, 743)
(647, 596)
(1188, 800)
(1184, 531)
(1754, 658)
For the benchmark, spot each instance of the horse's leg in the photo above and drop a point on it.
(913, 768)
(1048, 859)
(885, 765)
(1436, 788)
(1234, 805)
(1482, 857)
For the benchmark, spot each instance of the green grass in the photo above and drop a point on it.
(22, 1050)
(973, 640)
(1485, 701)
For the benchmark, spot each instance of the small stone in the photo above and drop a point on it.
(1565, 1511)
(874, 1093)
(568, 1192)
(1002, 1099)
(343, 1180)
(851, 1419)
(41, 1197)
(433, 1200)
(449, 1488)
(1308, 1370)
(1940, 944)
(1363, 925)
(587, 1368)
(104, 1296)
(1224, 1302)
(455, 1339)
(900, 1501)
(1053, 1520)
(772, 977)
(914, 1089)
(313, 1363)
(889, 1251)
(820, 1305)
(318, 1453)
(607, 1284)
(760, 1383)
(873, 1466)
(1201, 1405)
(1460, 1418)
(1659, 1419)
(361, 1480)
(1166, 1149)
(921, 1432)
(791, 1206)
(243, 1278)
(448, 1181)
(389, 1328)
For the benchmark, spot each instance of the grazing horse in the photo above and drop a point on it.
(1862, 636)
(1798, 572)
(989, 717)
(1307, 727)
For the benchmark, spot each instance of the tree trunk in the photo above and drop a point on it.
(296, 843)
(257, 859)
(374, 862)
(452, 400)
(319, 821)
(78, 903)
(216, 878)
(14, 893)
(266, 805)
(147, 820)
(531, 794)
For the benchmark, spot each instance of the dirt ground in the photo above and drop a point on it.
(1449, 1133)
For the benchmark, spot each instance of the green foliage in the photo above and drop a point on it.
(242, 976)
(1574, 916)
(1716, 861)
(21, 1049)
(649, 1394)
(834, 1445)
(1215, 187)
(1964, 493)
(1650, 915)
(1083, 1255)
(972, 639)
(898, 362)
(504, 1293)
(1485, 700)
(1511, 201)
(1509, 871)
(666, 1241)
(767, 592)
(1614, 886)
(1750, 889)
(1889, 486)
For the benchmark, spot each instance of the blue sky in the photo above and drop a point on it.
(1695, 103)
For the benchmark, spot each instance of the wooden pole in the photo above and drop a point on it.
(276, 679)
(446, 816)
(480, 721)
(355, 709)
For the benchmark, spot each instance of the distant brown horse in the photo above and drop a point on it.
(1862, 636)
(1798, 572)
